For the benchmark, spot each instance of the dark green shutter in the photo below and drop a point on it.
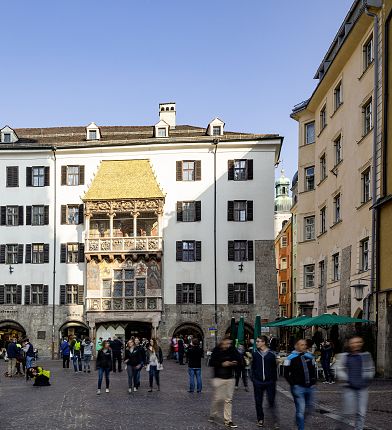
(19, 294)
(249, 210)
(2, 254)
(230, 170)
(20, 215)
(20, 254)
(250, 250)
(28, 253)
(230, 290)
(63, 175)
(179, 211)
(250, 294)
(2, 295)
(46, 252)
(46, 176)
(230, 250)
(3, 215)
(62, 295)
(81, 214)
(178, 170)
(81, 252)
(28, 215)
(197, 210)
(179, 250)
(230, 210)
(80, 294)
(29, 176)
(63, 253)
(63, 214)
(249, 165)
(81, 175)
(178, 294)
(198, 250)
(27, 295)
(198, 294)
(198, 170)
(46, 215)
(45, 300)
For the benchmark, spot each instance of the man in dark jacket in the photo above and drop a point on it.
(194, 355)
(65, 352)
(224, 359)
(181, 350)
(264, 376)
(300, 372)
(12, 353)
(117, 346)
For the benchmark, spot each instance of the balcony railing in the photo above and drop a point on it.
(104, 245)
(125, 304)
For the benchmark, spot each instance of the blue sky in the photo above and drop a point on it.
(72, 62)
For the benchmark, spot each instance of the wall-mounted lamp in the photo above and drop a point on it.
(358, 290)
(241, 267)
(11, 269)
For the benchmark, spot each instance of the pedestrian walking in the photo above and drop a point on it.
(154, 359)
(240, 370)
(134, 362)
(65, 352)
(356, 369)
(117, 346)
(300, 373)
(194, 356)
(181, 350)
(264, 375)
(87, 346)
(76, 356)
(104, 365)
(29, 353)
(138, 371)
(12, 353)
(326, 356)
(224, 359)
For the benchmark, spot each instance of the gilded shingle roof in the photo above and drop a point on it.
(124, 179)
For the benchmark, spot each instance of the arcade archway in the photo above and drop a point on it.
(189, 329)
(74, 328)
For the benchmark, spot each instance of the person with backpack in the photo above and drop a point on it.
(29, 351)
(65, 352)
(87, 346)
(76, 357)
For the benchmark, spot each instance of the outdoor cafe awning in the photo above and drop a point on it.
(320, 320)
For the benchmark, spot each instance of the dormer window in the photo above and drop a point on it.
(161, 129)
(8, 135)
(161, 132)
(92, 132)
(215, 127)
(216, 130)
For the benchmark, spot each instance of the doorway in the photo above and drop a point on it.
(138, 329)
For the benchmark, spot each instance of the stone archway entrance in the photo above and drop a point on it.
(189, 329)
(74, 328)
(10, 329)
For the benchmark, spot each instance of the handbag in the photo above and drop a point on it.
(147, 368)
(160, 366)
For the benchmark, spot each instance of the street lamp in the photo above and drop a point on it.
(358, 290)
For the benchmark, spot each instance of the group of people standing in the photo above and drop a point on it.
(81, 352)
(20, 355)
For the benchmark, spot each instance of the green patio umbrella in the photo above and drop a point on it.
(257, 331)
(293, 321)
(326, 320)
(233, 330)
(241, 332)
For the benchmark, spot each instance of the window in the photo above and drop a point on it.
(38, 176)
(367, 117)
(38, 215)
(11, 256)
(338, 150)
(309, 178)
(364, 249)
(309, 276)
(337, 208)
(309, 227)
(283, 263)
(323, 220)
(321, 273)
(368, 53)
(124, 284)
(11, 295)
(240, 210)
(283, 288)
(323, 118)
(188, 211)
(92, 134)
(283, 311)
(283, 241)
(188, 170)
(323, 167)
(365, 181)
(338, 95)
(72, 214)
(12, 215)
(188, 250)
(72, 175)
(240, 294)
(188, 294)
(37, 253)
(240, 247)
(72, 253)
(240, 250)
(161, 131)
(37, 294)
(310, 134)
(240, 170)
(72, 294)
(12, 174)
(216, 130)
(7, 138)
(335, 268)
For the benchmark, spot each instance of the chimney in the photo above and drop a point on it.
(167, 113)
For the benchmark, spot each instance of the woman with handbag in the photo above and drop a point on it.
(154, 359)
(104, 365)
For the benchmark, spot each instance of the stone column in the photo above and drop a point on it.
(135, 215)
(111, 217)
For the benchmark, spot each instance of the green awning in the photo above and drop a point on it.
(326, 320)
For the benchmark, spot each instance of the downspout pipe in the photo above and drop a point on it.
(215, 143)
(54, 252)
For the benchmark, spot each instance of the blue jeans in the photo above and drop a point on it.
(153, 372)
(29, 362)
(137, 377)
(192, 373)
(102, 371)
(86, 361)
(355, 405)
(77, 363)
(303, 399)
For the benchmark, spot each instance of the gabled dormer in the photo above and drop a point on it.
(161, 129)
(92, 132)
(215, 127)
(8, 135)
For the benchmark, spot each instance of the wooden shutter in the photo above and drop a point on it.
(45, 297)
(63, 175)
(198, 294)
(230, 291)
(2, 295)
(81, 214)
(197, 210)
(81, 175)
(80, 294)
(249, 210)
(3, 215)
(179, 211)
(249, 169)
(2, 254)
(46, 215)
(20, 215)
(250, 294)
(19, 294)
(179, 294)
(29, 176)
(62, 295)
(46, 252)
(178, 170)
(63, 253)
(230, 210)
(81, 252)
(46, 176)
(20, 254)
(230, 250)
(198, 250)
(28, 215)
(28, 253)
(230, 170)
(27, 295)
(250, 250)
(12, 176)
(63, 214)
(178, 250)
(197, 170)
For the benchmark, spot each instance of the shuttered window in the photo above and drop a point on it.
(189, 211)
(71, 294)
(11, 254)
(12, 176)
(72, 214)
(72, 253)
(240, 210)
(240, 250)
(188, 170)
(240, 170)
(240, 294)
(188, 250)
(11, 294)
(37, 215)
(72, 175)
(188, 293)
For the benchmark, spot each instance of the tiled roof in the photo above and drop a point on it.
(124, 179)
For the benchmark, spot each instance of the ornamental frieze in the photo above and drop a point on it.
(134, 206)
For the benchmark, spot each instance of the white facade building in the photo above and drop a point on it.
(110, 230)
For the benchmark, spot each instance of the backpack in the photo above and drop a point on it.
(77, 346)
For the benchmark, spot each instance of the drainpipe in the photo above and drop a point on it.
(215, 143)
(54, 252)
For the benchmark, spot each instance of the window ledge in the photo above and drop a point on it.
(321, 131)
(322, 180)
(307, 241)
(366, 70)
(336, 223)
(333, 283)
(336, 110)
(364, 136)
(363, 204)
(322, 234)
(307, 144)
(306, 191)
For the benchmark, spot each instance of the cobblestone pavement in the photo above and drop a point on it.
(71, 403)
